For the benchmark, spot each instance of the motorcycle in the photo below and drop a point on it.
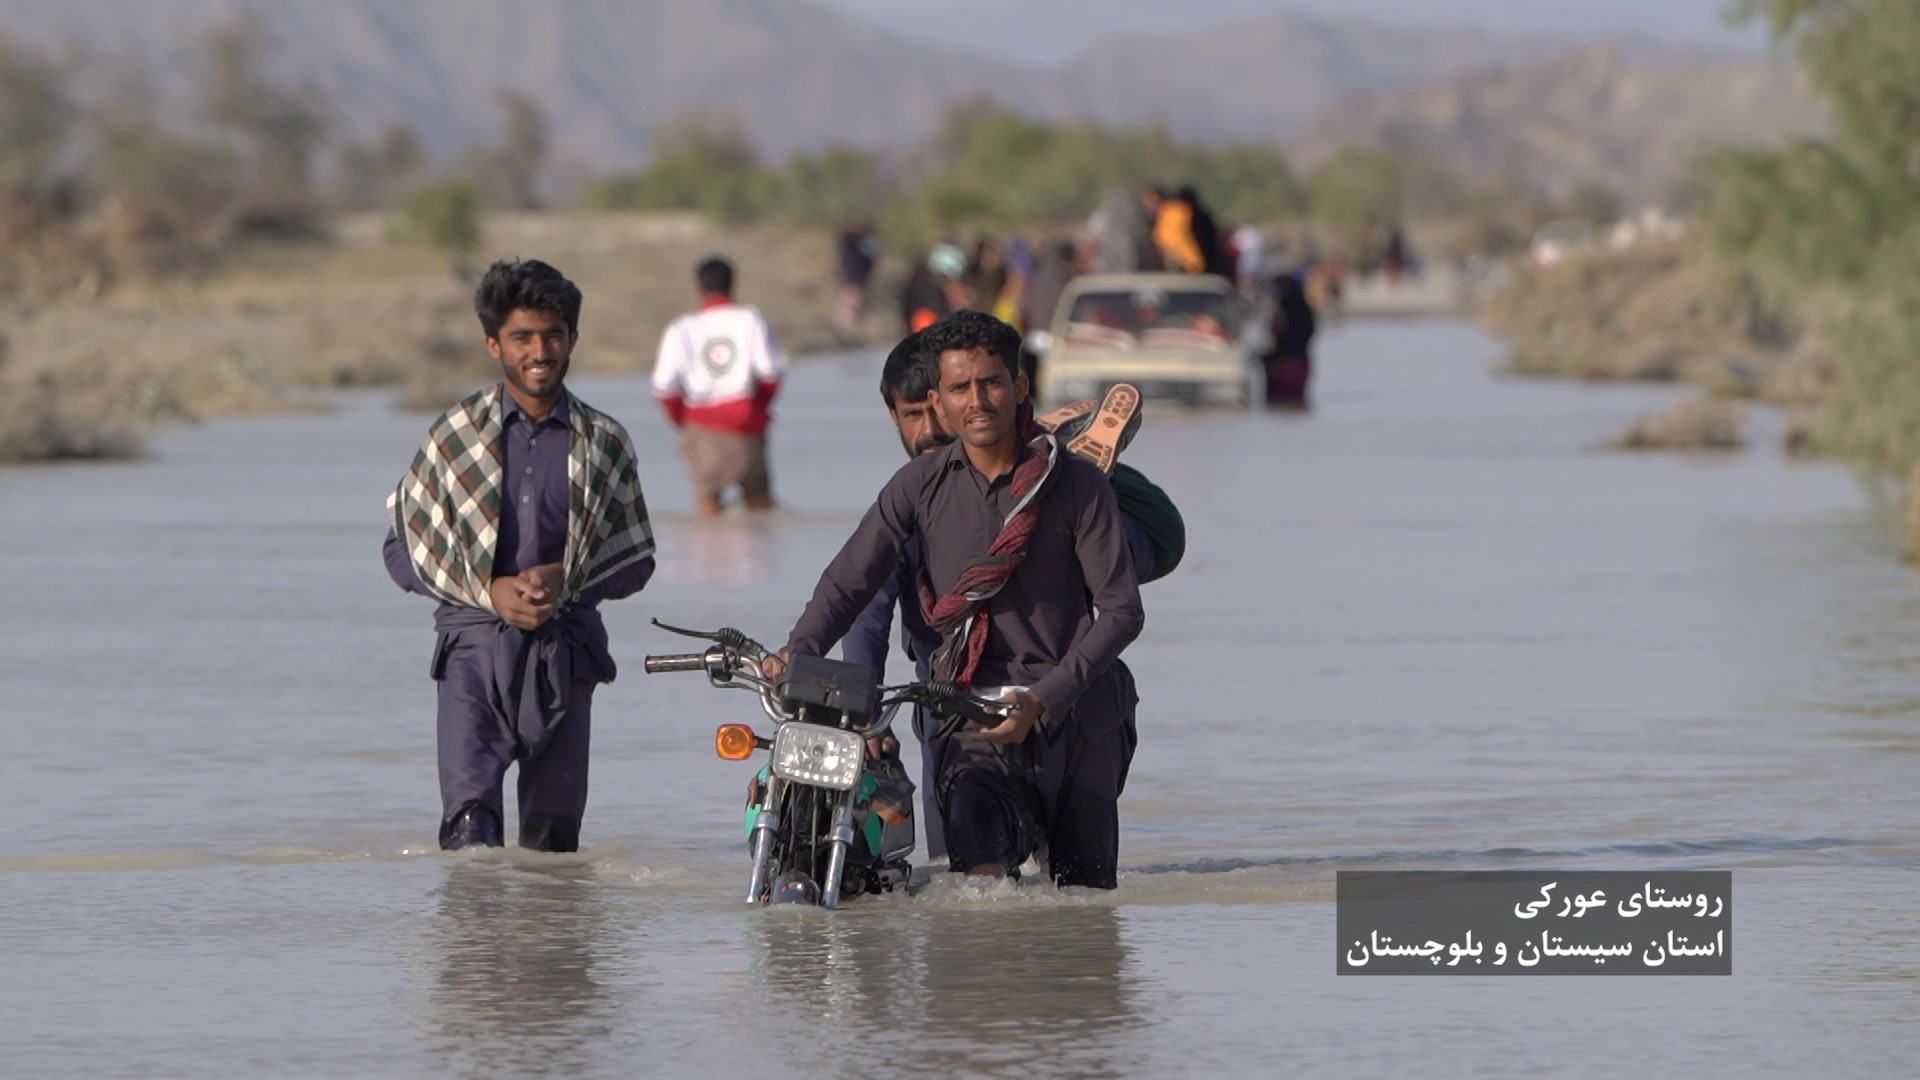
(825, 820)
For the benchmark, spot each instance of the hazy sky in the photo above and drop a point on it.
(1044, 30)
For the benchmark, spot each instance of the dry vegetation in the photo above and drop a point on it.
(165, 260)
(1659, 312)
(1668, 311)
(1698, 423)
(277, 323)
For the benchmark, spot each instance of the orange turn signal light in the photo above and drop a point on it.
(735, 742)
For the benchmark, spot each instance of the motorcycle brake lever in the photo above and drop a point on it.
(726, 635)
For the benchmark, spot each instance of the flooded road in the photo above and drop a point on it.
(1429, 626)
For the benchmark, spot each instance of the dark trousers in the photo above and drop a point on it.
(931, 826)
(1080, 783)
(477, 744)
(1067, 797)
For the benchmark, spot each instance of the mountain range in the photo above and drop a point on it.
(1591, 118)
(802, 75)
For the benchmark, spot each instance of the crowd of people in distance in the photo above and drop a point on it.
(1019, 279)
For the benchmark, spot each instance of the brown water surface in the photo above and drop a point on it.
(1427, 626)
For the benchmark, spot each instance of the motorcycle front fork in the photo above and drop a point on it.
(839, 842)
(766, 825)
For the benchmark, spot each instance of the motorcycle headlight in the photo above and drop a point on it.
(821, 756)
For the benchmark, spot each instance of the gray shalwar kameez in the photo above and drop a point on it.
(867, 644)
(1064, 780)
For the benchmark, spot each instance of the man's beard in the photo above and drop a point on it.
(512, 373)
(929, 443)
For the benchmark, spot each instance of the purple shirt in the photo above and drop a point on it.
(533, 498)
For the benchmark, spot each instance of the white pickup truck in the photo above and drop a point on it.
(1175, 336)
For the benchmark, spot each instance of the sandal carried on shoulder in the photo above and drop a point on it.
(1066, 414)
(1101, 435)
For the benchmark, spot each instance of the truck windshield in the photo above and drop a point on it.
(1149, 314)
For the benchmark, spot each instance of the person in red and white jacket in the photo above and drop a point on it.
(718, 370)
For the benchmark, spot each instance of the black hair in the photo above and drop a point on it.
(964, 330)
(715, 275)
(512, 285)
(910, 372)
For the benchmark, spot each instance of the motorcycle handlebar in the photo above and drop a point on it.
(966, 708)
(679, 662)
(948, 699)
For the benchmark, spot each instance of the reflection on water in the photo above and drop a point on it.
(513, 951)
(1034, 984)
(986, 987)
(852, 973)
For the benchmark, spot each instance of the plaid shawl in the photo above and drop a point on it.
(957, 616)
(447, 507)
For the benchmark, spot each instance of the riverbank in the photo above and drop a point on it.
(1667, 311)
(273, 326)
(1672, 312)
(276, 326)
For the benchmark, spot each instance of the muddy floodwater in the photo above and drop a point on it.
(1428, 626)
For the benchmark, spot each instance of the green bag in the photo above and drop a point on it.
(1143, 501)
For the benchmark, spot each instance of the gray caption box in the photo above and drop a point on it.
(1534, 922)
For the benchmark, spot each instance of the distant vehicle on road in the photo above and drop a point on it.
(1175, 336)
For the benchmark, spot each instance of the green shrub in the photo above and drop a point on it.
(446, 216)
(1842, 212)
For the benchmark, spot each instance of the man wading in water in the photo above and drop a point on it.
(716, 375)
(1023, 543)
(1155, 532)
(521, 512)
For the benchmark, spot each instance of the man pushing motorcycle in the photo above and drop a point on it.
(1154, 529)
(1029, 581)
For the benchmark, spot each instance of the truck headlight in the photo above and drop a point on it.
(822, 756)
